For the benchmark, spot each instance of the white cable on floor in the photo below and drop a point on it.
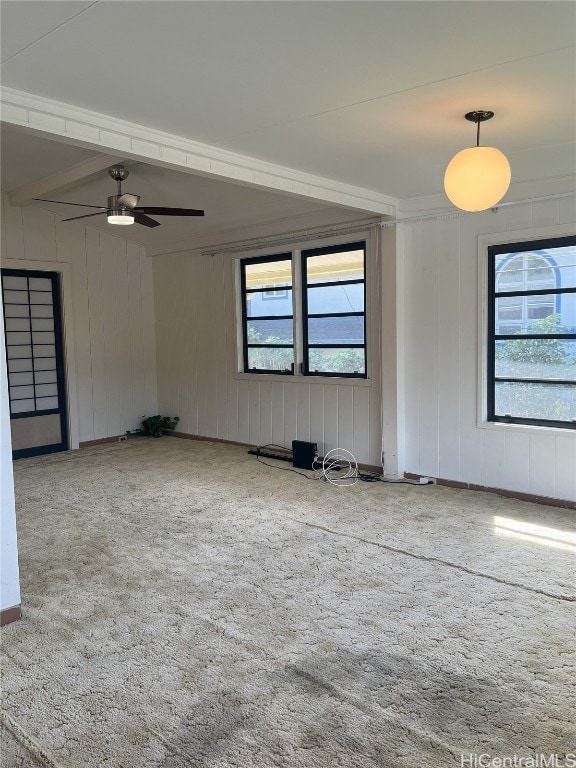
(339, 467)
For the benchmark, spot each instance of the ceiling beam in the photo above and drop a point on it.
(108, 134)
(57, 182)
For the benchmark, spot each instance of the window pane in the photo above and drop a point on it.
(44, 350)
(21, 406)
(272, 302)
(16, 310)
(43, 337)
(536, 358)
(338, 360)
(45, 377)
(42, 324)
(43, 390)
(525, 271)
(16, 283)
(336, 330)
(17, 324)
(539, 307)
(20, 392)
(336, 298)
(555, 402)
(42, 310)
(271, 359)
(40, 284)
(45, 364)
(46, 403)
(18, 337)
(19, 365)
(332, 267)
(40, 297)
(270, 331)
(18, 352)
(536, 314)
(508, 309)
(15, 379)
(269, 274)
(15, 297)
(537, 269)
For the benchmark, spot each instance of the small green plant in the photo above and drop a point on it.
(153, 426)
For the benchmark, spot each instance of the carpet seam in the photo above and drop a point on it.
(440, 561)
(38, 753)
(391, 717)
(372, 711)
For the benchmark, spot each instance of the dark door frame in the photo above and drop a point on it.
(55, 278)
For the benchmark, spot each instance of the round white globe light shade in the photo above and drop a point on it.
(477, 178)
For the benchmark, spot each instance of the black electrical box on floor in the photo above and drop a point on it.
(303, 454)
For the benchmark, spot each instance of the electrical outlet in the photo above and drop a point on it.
(122, 438)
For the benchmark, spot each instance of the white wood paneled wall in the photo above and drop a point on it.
(113, 314)
(198, 378)
(441, 359)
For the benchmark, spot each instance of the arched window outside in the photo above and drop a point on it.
(524, 272)
(531, 351)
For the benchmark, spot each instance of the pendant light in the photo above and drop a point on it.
(477, 178)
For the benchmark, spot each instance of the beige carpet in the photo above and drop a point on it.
(187, 606)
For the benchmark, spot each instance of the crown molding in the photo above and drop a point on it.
(107, 134)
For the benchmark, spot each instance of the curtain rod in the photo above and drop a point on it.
(460, 214)
(240, 246)
(290, 237)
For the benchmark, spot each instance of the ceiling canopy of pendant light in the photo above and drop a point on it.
(477, 178)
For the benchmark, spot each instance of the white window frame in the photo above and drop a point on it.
(484, 241)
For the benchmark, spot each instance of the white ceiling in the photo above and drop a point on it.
(368, 93)
(25, 158)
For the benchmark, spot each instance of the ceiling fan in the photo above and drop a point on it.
(124, 208)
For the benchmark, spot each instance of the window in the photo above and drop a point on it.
(333, 303)
(532, 333)
(317, 330)
(268, 326)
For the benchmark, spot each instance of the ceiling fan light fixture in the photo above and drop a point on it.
(120, 216)
(123, 209)
(477, 178)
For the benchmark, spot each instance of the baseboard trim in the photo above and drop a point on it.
(377, 469)
(532, 498)
(204, 439)
(8, 615)
(101, 441)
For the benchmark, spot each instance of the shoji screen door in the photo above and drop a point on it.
(34, 357)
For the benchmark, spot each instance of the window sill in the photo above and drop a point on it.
(525, 428)
(299, 379)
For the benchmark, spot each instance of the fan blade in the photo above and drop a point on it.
(127, 200)
(61, 202)
(87, 216)
(170, 211)
(139, 218)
